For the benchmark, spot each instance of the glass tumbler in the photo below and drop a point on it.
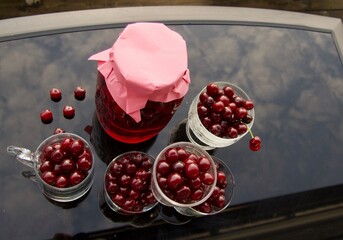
(62, 175)
(198, 134)
(184, 175)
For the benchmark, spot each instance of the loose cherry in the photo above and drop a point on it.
(79, 93)
(46, 116)
(68, 112)
(55, 94)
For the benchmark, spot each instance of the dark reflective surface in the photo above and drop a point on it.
(295, 78)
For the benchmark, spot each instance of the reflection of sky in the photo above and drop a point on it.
(294, 77)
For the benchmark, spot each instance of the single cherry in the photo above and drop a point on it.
(255, 143)
(55, 94)
(79, 93)
(68, 112)
(58, 130)
(46, 116)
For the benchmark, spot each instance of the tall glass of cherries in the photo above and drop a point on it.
(220, 115)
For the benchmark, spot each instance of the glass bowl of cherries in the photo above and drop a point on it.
(127, 188)
(63, 166)
(184, 175)
(221, 196)
(219, 116)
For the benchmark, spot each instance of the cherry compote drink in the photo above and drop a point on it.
(121, 126)
(127, 183)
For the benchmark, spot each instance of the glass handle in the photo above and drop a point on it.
(23, 155)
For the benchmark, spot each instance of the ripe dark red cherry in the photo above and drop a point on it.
(58, 130)
(68, 112)
(55, 94)
(46, 116)
(255, 143)
(62, 181)
(174, 180)
(79, 93)
(49, 177)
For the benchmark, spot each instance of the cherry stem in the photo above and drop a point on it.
(250, 131)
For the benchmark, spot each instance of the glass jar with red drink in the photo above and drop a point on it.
(141, 81)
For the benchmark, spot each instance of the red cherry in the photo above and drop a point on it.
(195, 183)
(68, 112)
(77, 148)
(249, 104)
(55, 94)
(178, 166)
(61, 181)
(118, 199)
(79, 93)
(192, 170)
(68, 165)
(172, 155)
(231, 132)
(46, 116)
(66, 145)
(57, 156)
(174, 180)
(221, 179)
(220, 201)
(183, 192)
(204, 164)
(84, 163)
(75, 178)
(197, 194)
(112, 187)
(137, 184)
(207, 178)
(46, 166)
(125, 180)
(143, 174)
(205, 207)
(218, 107)
(49, 177)
(163, 167)
(241, 113)
(255, 143)
(212, 89)
(58, 130)
(130, 168)
(228, 91)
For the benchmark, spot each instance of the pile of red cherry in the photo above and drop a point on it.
(65, 163)
(127, 182)
(225, 114)
(217, 200)
(183, 176)
(46, 116)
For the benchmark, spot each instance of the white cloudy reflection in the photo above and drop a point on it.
(294, 77)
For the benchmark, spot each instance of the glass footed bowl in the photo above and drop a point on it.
(183, 181)
(221, 196)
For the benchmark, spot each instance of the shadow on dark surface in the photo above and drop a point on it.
(316, 214)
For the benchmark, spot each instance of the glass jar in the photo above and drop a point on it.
(121, 126)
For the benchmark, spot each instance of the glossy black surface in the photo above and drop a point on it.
(295, 78)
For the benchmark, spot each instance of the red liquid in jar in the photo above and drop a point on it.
(120, 126)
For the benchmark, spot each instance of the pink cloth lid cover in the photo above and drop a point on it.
(148, 61)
